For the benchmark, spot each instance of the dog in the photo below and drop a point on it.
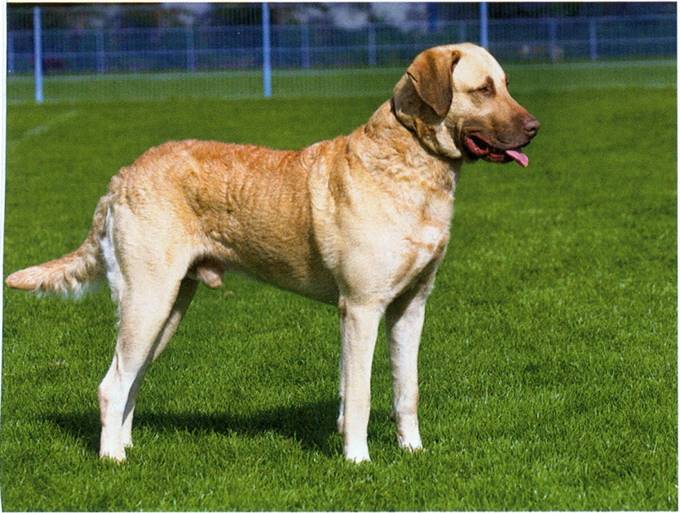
(360, 221)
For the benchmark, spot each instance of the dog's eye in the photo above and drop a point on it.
(486, 90)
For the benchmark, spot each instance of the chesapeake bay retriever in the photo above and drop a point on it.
(361, 221)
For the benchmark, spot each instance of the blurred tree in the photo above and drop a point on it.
(235, 14)
(66, 15)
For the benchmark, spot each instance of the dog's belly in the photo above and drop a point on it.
(294, 268)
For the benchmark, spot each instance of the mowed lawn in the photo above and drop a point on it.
(548, 363)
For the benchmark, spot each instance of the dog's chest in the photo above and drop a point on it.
(422, 246)
(403, 245)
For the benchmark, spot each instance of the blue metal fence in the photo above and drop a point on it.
(80, 48)
(320, 46)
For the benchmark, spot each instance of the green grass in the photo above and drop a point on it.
(348, 82)
(548, 363)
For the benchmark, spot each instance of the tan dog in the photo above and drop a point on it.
(361, 221)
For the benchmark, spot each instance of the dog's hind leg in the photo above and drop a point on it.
(146, 265)
(186, 293)
(144, 310)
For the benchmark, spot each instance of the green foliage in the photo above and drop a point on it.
(548, 364)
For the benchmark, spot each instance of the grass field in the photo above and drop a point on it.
(348, 82)
(548, 366)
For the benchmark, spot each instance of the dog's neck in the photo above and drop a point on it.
(411, 159)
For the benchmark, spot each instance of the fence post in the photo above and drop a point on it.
(10, 52)
(372, 49)
(552, 38)
(99, 39)
(484, 24)
(304, 27)
(266, 52)
(191, 55)
(592, 36)
(37, 56)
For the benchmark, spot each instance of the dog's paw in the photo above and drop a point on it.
(357, 454)
(411, 445)
(115, 456)
(408, 434)
(410, 441)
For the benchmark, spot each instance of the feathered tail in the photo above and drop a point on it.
(70, 274)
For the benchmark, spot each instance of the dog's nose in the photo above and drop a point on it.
(531, 126)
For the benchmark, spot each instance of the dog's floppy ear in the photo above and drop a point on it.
(430, 74)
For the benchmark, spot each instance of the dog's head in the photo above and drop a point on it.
(455, 98)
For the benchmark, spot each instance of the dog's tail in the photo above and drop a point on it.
(71, 274)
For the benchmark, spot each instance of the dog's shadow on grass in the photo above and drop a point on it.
(312, 425)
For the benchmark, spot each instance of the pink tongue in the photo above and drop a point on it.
(519, 157)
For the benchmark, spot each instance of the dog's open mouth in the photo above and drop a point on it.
(481, 149)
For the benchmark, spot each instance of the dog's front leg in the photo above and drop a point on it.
(404, 322)
(359, 332)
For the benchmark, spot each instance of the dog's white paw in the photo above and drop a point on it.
(408, 436)
(357, 454)
(411, 443)
(117, 455)
(408, 433)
